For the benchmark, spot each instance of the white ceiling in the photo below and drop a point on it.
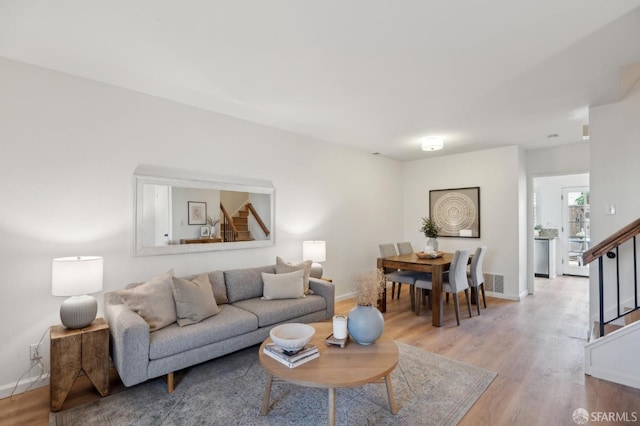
(375, 75)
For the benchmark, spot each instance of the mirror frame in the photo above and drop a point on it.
(159, 175)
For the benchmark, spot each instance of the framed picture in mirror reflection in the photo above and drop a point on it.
(197, 213)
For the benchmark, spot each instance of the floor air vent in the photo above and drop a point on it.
(494, 283)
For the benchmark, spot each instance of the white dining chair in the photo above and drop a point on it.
(476, 276)
(452, 283)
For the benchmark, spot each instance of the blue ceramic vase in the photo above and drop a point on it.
(365, 324)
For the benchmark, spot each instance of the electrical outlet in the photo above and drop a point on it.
(34, 355)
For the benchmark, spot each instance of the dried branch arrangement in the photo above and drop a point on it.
(368, 287)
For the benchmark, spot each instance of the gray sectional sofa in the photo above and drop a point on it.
(245, 319)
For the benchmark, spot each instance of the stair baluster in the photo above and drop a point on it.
(610, 247)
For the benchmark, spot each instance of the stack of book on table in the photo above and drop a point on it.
(291, 359)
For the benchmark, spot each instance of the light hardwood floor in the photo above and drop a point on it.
(535, 346)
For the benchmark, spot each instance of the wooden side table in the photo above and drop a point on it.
(85, 349)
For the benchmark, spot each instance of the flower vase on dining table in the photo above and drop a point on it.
(432, 243)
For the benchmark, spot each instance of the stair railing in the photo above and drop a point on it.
(609, 247)
(258, 219)
(227, 227)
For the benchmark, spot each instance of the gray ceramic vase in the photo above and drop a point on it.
(365, 324)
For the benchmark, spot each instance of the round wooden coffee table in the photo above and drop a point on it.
(336, 367)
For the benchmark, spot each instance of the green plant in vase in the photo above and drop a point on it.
(430, 230)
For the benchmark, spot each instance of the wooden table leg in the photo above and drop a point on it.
(332, 407)
(66, 363)
(382, 301)
(392, 399)
(267, 395)
(95, 359)
(413, 297)
(436, 293)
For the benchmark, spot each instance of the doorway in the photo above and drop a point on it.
(551, 217)
(576, 230)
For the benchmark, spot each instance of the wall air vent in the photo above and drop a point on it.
(494, 282)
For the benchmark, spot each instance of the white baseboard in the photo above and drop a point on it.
(345, 297)
(507, 296)
(6, 390)
(613, 377)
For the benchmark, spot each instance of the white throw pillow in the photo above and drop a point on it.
(283, 286)
(283, 267)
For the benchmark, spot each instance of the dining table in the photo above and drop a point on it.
(436, 266)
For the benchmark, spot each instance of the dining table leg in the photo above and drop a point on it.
(412, 293)
(436, 295)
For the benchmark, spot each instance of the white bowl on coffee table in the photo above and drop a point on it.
(292, 337)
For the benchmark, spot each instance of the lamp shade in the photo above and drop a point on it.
(314, 250)
(74, 276)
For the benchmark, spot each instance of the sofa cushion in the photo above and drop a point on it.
(274, 311)
(283, 267)
(152, 300)
(217, 283)
(229, 322)
(194, 300)
(245, 283)
(283, 286)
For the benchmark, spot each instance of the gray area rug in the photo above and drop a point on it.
(429, 390)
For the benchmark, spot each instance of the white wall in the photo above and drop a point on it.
(69, 148)
(561, 160)
(498, 174)
(615, 174)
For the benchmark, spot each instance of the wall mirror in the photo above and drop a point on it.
(180, 211)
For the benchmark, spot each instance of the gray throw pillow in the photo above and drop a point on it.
(245, 283)
(194, 299)
(153, 301)
(283, 267)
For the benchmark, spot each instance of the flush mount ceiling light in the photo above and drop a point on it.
(585, 132)
(432, 144)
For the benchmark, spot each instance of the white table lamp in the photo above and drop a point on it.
(77, 277)
(316, 251)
